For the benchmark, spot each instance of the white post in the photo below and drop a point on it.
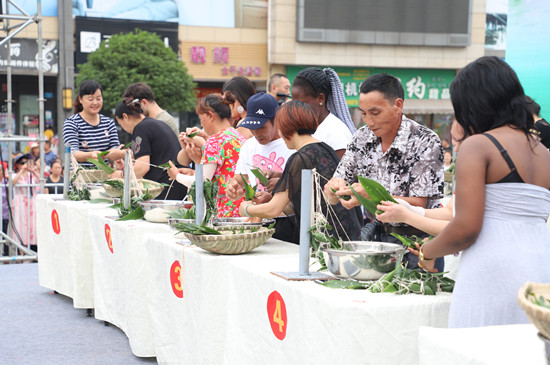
(305, 221)
(200, 209)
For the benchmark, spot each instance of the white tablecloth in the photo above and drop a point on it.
(121, 276)
(494, 345)
(231, 309)
(65, 248)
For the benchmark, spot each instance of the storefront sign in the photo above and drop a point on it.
(24, 55)
(417, 83)
(220, 55)
(90, 32)
(211, 61)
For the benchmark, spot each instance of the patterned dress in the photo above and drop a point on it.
(24, 209)
(223, 149)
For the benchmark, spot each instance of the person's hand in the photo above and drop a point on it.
(262, 197)
(94, 155)
(172, 171)
(194, 152)
(273, 177)
(115, 154)
(116, 175)
(427, 265)
(119, 164)
(242, 207)
(201, 133)
(393, 213)
(199, 140)
(331, 187)
(412, 208)
(234, 190)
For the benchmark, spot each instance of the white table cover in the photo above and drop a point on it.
(65, 249)
(493, 345)
(121, 275)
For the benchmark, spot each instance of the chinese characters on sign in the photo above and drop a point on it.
(416, 88)
(24, 55)
(220, 55)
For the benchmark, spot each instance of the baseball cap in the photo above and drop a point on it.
(20, 158)
(33, 145)
(260, 108)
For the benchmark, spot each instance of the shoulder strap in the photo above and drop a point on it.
(502, 151)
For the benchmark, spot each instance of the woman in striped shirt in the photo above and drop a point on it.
(89, 132)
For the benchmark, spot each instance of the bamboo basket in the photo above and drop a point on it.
(85, 176)
(154, 190)
(538, 315)
(229, 243)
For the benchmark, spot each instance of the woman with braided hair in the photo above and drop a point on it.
(322, 90)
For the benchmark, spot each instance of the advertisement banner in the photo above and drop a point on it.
(90, 32)
(24, 55)
(417, 83)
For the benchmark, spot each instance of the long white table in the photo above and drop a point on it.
(493, 345)
(65, 247)
(185, 305)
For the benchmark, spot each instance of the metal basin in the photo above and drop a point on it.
(362, 260)
(156, 210)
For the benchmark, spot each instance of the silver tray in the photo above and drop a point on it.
(362, 260)
(240, 221)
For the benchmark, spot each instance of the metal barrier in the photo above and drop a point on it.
(21, 220)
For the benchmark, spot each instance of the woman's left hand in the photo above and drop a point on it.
(427, 265)
(194, 153)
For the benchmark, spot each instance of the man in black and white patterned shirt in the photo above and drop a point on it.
(402, 155)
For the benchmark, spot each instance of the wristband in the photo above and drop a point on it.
(246, 210)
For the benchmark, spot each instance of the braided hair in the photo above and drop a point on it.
(316, 81)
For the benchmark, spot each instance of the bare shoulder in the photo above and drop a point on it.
(476, 145)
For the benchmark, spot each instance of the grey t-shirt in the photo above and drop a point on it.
(168, 119)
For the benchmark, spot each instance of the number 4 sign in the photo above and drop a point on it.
(276, 312)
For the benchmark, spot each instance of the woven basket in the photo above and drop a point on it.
(90, 176)
(154, 190)
(538, 315)
(231, 244)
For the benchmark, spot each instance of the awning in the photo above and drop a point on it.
(428, 106)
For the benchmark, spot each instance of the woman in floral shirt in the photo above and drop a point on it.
(221, 144)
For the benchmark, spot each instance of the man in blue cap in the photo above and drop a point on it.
(265, 150)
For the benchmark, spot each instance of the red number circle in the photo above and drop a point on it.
(276, 312)
(55, 222)
(109, 238)
(175, 279)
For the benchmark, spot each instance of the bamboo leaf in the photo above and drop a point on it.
(260, 175)
(134, 214)
(100, 164)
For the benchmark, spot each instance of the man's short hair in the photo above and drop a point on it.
(274, 78)
(388, 85)
(139, 90)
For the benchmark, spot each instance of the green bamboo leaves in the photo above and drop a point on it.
(260, 176)
(249, 191)
(376, 193)
(101, 164)
(196, 229)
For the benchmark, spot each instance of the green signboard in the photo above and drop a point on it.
(418, 83)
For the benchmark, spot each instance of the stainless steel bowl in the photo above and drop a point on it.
(156, 210)
(240, 221)
(362, 260)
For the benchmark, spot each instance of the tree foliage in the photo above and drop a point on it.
(139, 57)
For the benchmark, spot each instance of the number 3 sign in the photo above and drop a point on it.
(276, 312)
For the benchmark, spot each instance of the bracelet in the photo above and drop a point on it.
(421, 255)
(246, 210)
